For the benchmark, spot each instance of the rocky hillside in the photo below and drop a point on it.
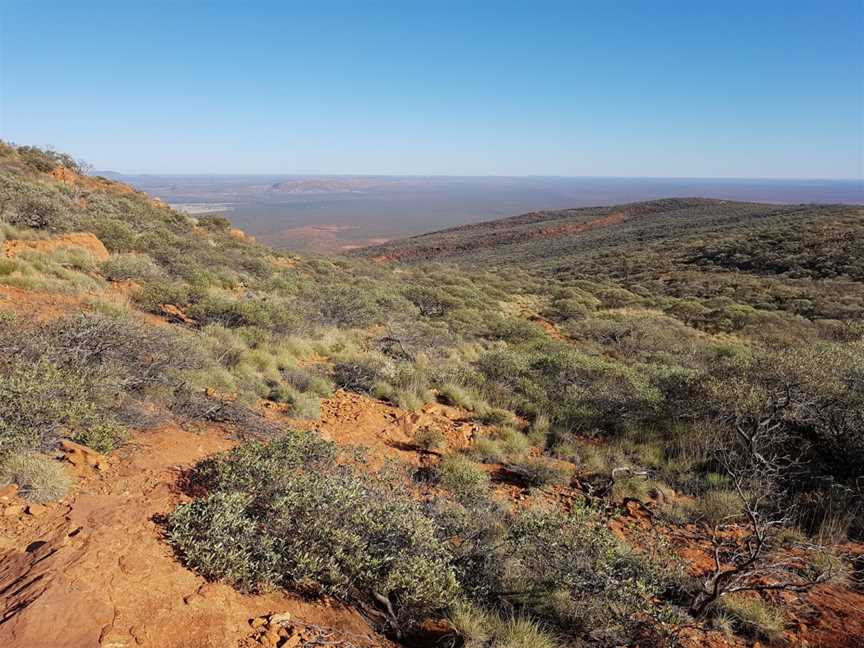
(204, 442)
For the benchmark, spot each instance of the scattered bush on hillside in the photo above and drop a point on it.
(73, 377)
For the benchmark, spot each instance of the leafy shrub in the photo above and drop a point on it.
(463, 478)
(72, 376)
(39, 400)
(217, 538)
(430, 439)
(568, 569)
(102, 437)
(515, 331)
(138, 267)
(315, 523)
(346, 306)
(431, 302)
(45, 160)
(39, 478)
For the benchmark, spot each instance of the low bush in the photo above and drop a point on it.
(360, 373)
(430, 439)
(138, 267)
(487, 450)
(74, 375)
(284, 514)
(568, 570)
(102, 437)
(752, 616)
(463, 478)
(542, 471)
(38, 401)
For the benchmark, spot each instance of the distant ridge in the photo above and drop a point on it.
(567, 239)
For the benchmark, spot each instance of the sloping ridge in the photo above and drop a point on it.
(526, 227)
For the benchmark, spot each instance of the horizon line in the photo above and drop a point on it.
(199, 174)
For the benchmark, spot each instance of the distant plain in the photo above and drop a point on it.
(336, 213)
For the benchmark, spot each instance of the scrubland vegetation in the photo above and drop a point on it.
(711, 358)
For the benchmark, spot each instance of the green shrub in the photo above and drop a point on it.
(138, 267)
(463, 478)
(73, 375)
(217, 538)
(39, 478)
(567, 569)
(487, 450)
(102, 437)
(314, 523)
(361, 373)
(348, 306)
(430, 439)
(39, 400)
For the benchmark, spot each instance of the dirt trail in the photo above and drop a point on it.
(94, 571)
(387, 431)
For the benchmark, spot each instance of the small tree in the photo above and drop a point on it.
(762, 451)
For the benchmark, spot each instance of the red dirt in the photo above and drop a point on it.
(40, 306)
(351, 419)
(46, 306)
(93, 570)
(81, 240)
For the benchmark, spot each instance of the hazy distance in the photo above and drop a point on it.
(333, 213)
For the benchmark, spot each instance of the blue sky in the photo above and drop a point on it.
(697, 89)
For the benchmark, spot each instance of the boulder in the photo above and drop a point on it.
(82, 458)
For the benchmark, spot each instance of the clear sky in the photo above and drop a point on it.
(738, 88)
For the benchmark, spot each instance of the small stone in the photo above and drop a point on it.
(282, 633)
(269, 638)
(281, 619)
(258, 622)
(36, 509)
(291, 642)
(13, 511)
